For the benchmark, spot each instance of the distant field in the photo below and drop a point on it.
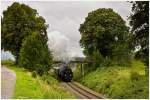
(29, 87)
(119, 82)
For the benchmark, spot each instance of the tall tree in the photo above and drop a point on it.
(104, 30)
(139, 21)
(18, 21)
(35, 54)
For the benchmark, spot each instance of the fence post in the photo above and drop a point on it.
(82, 70)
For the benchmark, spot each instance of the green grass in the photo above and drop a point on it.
(119, 82)
(29, 87)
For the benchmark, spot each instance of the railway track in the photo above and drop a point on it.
(83, 92)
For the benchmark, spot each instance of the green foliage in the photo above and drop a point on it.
(18, 21)
(122, 54)
(97, 58)
(139, 21)
(104, 32)
(119, 82)
(7, 62)
(28, 87)
(107, 62)
(77, 73)
(35, 55)
(98, 61)
(34, 74)
(134, 75)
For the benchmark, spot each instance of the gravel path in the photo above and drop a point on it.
(8, 80)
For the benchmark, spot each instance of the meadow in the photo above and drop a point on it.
(118, 81)
(37, 88)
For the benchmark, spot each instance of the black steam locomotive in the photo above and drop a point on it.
(64, 73)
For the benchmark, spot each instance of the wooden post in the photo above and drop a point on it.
(82, 70)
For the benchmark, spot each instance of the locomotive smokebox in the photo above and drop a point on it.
(64, 73)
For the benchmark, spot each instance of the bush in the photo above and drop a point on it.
(7, 62)
(35, 55)
(97, 61)
(134, 75)
(77, 73)
(48, 78)
(97, 58)
(34, 75)
(107, 62)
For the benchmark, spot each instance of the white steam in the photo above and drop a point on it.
(58, 44)
(62, 47)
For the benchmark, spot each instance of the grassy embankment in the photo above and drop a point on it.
(29, 87)
(117, 81)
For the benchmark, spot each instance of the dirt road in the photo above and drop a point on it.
(8, 80)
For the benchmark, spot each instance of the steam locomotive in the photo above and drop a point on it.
(64, 73)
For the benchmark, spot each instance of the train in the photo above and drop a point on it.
(64, 73)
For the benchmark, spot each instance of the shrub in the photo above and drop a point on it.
(97, 61)
(97, 58)
(107, 62)
(34, 75)
(77, 73)
(35, 55)
(134, 75)
(48, 78)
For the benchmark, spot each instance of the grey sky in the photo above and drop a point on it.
(65, 17)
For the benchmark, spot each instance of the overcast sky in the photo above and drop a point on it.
(64, 19)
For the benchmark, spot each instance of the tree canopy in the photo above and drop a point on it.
(34, 54)
(139, 21)
(105, 31)
(18, 21)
